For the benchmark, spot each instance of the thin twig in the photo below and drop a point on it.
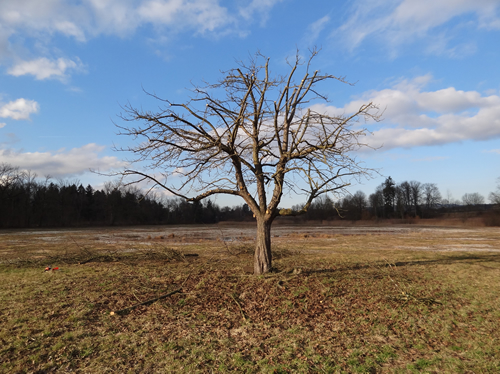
(241, 309)
(147, 302)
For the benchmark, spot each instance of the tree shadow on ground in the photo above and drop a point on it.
(448, 260)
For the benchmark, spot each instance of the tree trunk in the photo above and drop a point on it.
(262, 257)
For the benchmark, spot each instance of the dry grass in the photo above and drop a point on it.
(395, 301)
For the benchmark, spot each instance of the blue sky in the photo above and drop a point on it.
(66, 67)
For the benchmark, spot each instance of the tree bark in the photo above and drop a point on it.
(263, 258)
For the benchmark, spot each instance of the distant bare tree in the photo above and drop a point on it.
(495, 196)
(472, 199)
(354, 205)
(448, 200)
(250, 135)
(9, 175)
(416, 195)
(431, 196)
(360, 201)
(405, 196)
(376, 201)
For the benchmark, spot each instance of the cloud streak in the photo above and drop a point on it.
(200, 15)
(43, 68)
(314, 30)
(22, 20)
(261, 7)
(63, 163)
(398, 22)
(496, 151)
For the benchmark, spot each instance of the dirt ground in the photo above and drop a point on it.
(304, 237)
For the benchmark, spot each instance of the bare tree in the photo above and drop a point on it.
(359, 198)
(376, 201)
(472, 199)
(251, 135)
(416, 195)
(431, 196)
(401, 200)
(405, 195)
(9, 175)
(495, 196)
(354, 205)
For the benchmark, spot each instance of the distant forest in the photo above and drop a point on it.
(26, 201)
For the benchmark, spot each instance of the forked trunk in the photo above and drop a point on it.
(262, 257)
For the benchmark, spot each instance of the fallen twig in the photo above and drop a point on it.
(147, 302)
(87, 260)
(241, 309)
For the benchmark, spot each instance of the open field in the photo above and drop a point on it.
(342, 299)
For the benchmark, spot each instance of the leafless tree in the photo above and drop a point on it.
(471, 199)
(9, 175)
(354, 205)
(252, 135)
(405, 195)
(416, 195)
(360, 200)
(495, 196)
(450, 200)
(431, 195)
(376, 201)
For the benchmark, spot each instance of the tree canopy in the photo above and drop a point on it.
(252, 134)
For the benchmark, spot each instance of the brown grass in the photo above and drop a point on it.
(395, 301)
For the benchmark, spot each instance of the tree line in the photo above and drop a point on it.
(407, 199)
(26, 201)
(424, 200)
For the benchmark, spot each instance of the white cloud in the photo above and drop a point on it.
(314, 29)
(49, 15)
(22, 21)
(497, 151)
(69, 28)
(414, 117)
(258, 6)
(115, 17)
(19, 109)
(202, 15)
(62, 163)
(2, 124)
(398, 22)
(43, 68)
(90, 18)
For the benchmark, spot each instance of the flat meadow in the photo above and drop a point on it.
(341, 299)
